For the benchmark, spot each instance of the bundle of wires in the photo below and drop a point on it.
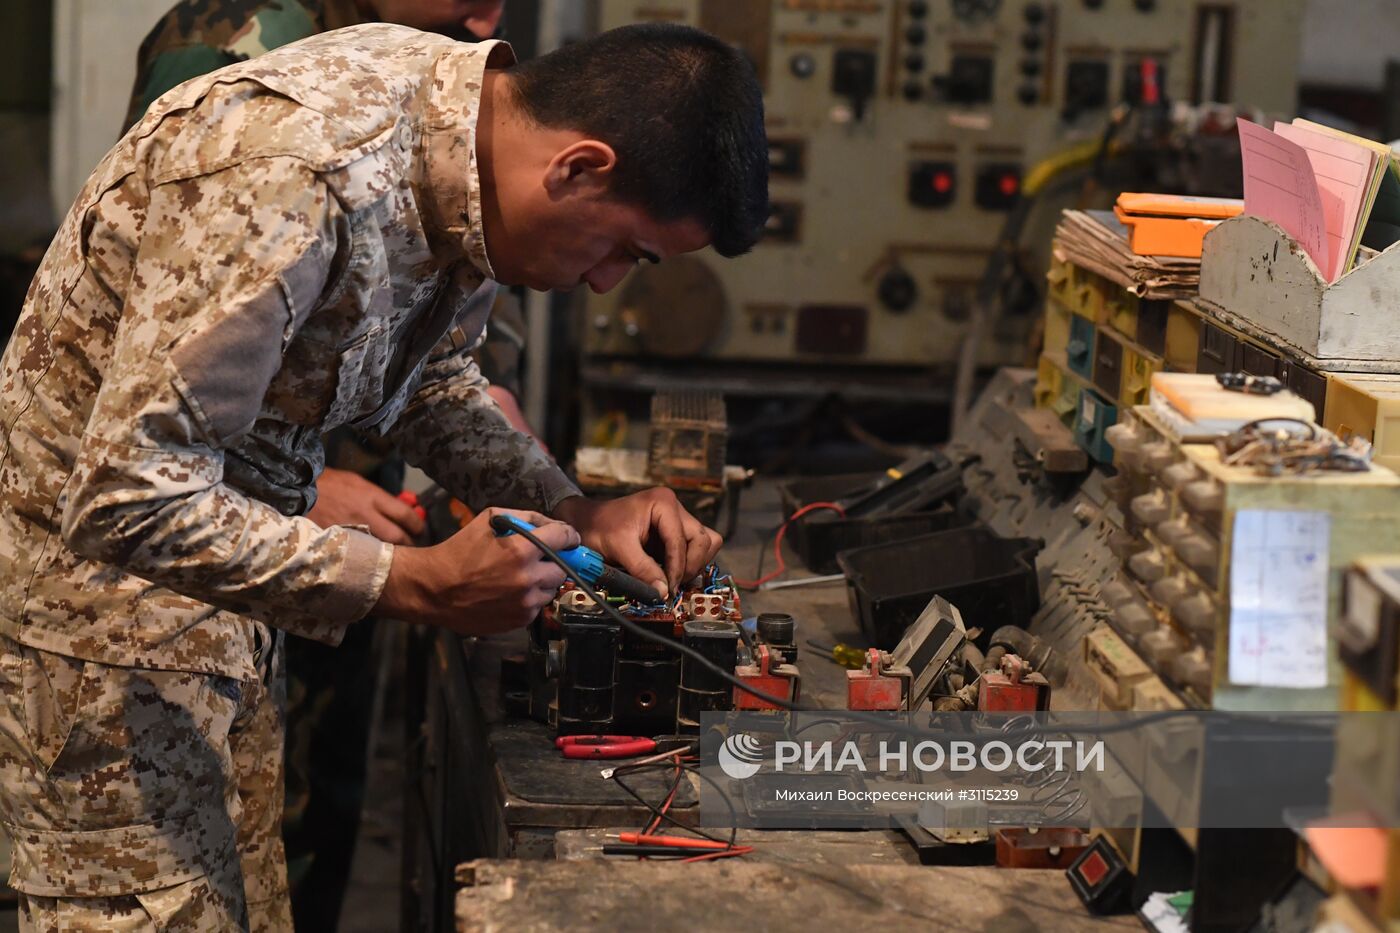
(706, 847)
(715, 581)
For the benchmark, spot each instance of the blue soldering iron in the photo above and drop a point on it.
(588, 564)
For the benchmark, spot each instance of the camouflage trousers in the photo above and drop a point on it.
(143, 800)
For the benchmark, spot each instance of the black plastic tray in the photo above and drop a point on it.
(818, 537)
(990, 579)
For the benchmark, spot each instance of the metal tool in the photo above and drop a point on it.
(679, 842)
(915, 484)
(410, 498)
(805, 581)
(589, 564)
(604, 746)
(607, 773)
(852, 659)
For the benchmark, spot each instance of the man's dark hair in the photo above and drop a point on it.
(684, 113)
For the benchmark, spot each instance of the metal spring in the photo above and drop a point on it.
(1057, 794)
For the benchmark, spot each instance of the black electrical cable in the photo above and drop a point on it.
(656, 811)
(820, 722)
(649, 826)
(503, 525)
(1258, 425)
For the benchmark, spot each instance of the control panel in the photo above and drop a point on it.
(901, 132)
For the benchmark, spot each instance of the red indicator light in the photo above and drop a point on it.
(1093, 869)
(942, 182)
(1009, 185)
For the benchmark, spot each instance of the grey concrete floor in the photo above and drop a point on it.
(372, 897)
(372, 901)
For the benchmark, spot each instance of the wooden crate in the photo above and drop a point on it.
(1368, 406)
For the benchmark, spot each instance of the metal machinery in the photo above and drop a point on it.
(901, 134)
(685, 452)
(583, 674)
(689, 433)
(1150, 595)
(1367, 770)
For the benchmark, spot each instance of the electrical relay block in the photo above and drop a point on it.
(587, 674)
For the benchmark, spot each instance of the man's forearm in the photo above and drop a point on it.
(408, 590)
(573, 509)
(184, 530)
(455, 433)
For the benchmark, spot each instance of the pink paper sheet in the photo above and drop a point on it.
(1279, 185)
(1344, 173)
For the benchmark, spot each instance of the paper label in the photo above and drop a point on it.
(1278, 598)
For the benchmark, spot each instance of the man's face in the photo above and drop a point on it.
(466, 20)
(566, 242)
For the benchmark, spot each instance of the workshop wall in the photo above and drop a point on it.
(1348, 42)
(25, 64)
(25, 217)
(95, 43)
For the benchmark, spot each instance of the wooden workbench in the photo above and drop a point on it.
(494, 787)
(622, 897)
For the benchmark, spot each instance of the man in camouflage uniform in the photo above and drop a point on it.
(199, 36)
(274, 250)
(330, 690)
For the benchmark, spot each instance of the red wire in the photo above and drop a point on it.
(719, 853)
(704, 857)
(778, 543)
(665, 804)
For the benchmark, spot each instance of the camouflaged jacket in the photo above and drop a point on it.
(273, 251)
(196, 37)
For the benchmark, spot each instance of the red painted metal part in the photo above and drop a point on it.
(869, 689)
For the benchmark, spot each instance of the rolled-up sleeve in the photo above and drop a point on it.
(230, 265)
(456, 433)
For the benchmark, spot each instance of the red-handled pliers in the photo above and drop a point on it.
(409, 498)
(604, 746)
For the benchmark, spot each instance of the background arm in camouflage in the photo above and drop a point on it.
(457, 434)
(498, 356)
(199, 36)
(169, 69)
(228, 266)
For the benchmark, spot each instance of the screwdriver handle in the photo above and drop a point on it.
(588, 564)
(848, 657)
(585, 561)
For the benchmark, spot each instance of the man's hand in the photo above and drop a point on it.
(345, 498)
(475, 583)
(625, 529)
